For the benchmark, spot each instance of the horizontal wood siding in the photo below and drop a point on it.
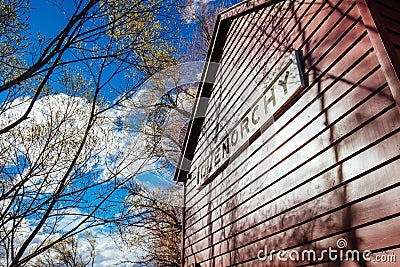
(386, 14)
(327, 168)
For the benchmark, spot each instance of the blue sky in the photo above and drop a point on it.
(47, 18)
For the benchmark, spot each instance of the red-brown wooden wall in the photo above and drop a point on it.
(328, 168)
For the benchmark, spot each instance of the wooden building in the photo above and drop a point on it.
(321, 164)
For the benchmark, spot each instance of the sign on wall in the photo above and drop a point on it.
(275, 97)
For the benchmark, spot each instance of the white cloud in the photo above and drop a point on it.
(110, 149)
